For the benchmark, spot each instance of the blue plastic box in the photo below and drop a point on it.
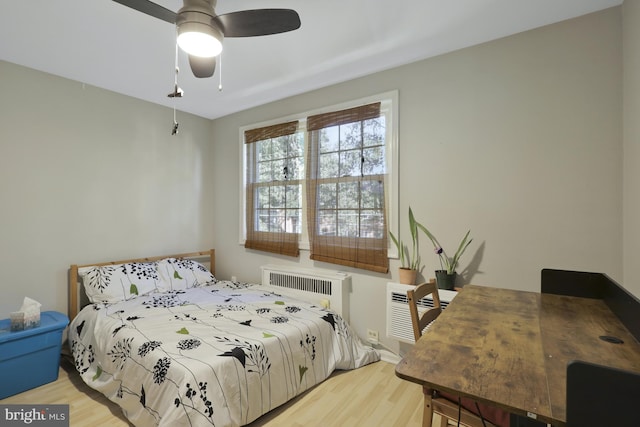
(30, 358)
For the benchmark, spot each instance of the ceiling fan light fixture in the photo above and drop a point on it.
(199, 39)
(201, 30)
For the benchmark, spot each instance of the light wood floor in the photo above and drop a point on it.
(370, 396)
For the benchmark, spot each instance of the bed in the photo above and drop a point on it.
(173, 345)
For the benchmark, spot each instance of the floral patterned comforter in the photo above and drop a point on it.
(219, 355)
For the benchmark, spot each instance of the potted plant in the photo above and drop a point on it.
(409, 262)
(446, 276)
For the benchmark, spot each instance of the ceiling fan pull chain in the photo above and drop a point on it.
(220, 73)
(177, 94)
(175, 59)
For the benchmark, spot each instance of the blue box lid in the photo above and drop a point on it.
(49, 321)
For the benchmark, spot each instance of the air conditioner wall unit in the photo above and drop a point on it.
(398, 317)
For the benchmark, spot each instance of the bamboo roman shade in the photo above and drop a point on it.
(269, 215)
(342, 117)
(346, 214)
(267, 132)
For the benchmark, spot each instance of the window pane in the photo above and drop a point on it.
(350, 136)
(350, 163)
(295, 144)
(329, 139)
(262, 220)
(293, 221)
(277, 220)
(296, 168)
(348, 223)
(277, 196)
(374, 161)
(264, 171)
(294, 194)
(374, 131)
(327, 223)
(327, 196)
(262, 200)
(372, 194)
(279, 147)
(348, 196)
(263, 150)
(371, 224)
(328, 166)
(277, 173)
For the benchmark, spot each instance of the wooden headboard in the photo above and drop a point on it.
(74, 288)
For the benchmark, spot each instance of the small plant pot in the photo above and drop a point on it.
(407, 276)
(445, 280)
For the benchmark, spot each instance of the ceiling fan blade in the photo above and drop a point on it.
(258, 22)
(202, 67)
(151, 9)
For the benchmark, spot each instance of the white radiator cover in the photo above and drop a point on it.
(325, 288)
(398, 317)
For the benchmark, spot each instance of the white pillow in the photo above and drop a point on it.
(178, 274)
(119, 282)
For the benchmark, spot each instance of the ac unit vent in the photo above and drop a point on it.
(426, 302)
(398, 317)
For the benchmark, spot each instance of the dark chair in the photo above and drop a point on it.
(601, 396)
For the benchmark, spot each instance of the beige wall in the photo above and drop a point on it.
(631, 146)
(89, 175)
(519, 139)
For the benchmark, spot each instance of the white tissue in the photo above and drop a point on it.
(31, 310)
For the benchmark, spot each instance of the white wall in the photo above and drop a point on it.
(631, 147)
(88, 175)
(519, 139)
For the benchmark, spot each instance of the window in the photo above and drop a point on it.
(324, 181)
(275, 169)
(345, 188)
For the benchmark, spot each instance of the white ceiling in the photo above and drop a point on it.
(104, 44)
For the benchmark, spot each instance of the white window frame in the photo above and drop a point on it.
(389, 107)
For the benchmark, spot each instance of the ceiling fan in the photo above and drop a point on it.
(201, 31)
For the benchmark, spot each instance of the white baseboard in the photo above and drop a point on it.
(389, 357)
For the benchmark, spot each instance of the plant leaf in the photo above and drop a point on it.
(429, 235)
(461, 248)
(400, 247)
(415, 253)
(395, 241)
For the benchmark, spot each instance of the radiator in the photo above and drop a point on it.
(398, 317)
(325, 288)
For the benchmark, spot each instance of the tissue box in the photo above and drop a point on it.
(30, 358)
(17, 321)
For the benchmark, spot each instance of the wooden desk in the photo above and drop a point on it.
(511, 348)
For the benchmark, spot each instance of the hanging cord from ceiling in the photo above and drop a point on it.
(177, 93)
(220, 72)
